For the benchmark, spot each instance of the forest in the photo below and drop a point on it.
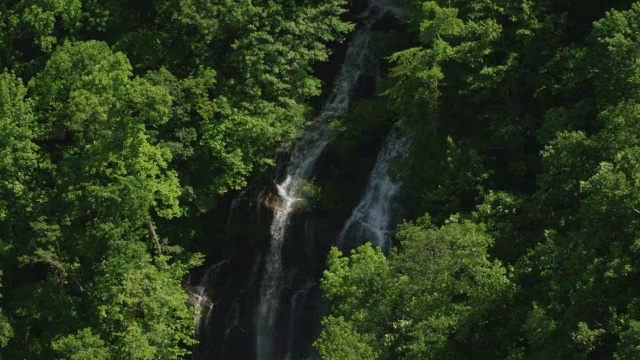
(319, 179)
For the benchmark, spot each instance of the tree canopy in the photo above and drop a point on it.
(119, 123)
(523, 118)
(123, 125)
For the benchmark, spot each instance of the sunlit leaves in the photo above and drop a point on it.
(140, 306)
(441, 282)
(19, 156)
(616, 45)
(340, 341)
(107, 114)
(81, 346)
(109, 178)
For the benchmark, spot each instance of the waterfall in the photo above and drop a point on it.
(303, 158)
(370, 220)
(199, 297)
(299, 298)
(201, 300)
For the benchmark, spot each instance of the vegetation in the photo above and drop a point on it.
(524, 118)
(117, 117)
(123, 123)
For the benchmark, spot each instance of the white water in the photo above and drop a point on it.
(299, 169)
(299, 298)
(370, 220)
(201, 302)
(200, 298)
(303, 158)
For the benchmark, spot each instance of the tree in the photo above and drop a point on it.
(139, 304)
(614, 41)
(516, 111)
(98, 282)
(424, 302)
(32, 30)
(340, 341)
(19, 158)
(361, 290)
(19, 162)
(6, 332)
(81, 346)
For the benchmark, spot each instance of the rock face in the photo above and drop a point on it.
(263, 289)
(272, 201)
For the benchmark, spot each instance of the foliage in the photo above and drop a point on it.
(523, 117)
(340, 341)
(136, 118)
(122, 124)
(431, 292)
(81, 346)
(6, 332)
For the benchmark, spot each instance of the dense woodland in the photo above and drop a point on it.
(120, 121)
(124, 123)
(523, 179)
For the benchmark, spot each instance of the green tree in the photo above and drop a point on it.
(361, 290)
(451, 273)
(340, 341)
(139, 306)
(19, 163)
(6, 332)
(81, 346)
(613, 42)
(424, 302)
(94, 236)
(19, 159)
(486, 56)
(530, 107)
(32, 29)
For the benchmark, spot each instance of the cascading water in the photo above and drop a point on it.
(303, 158)
(301, 164)
(201, 300)
(270, 299)
(299, 298)
(370, 220)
